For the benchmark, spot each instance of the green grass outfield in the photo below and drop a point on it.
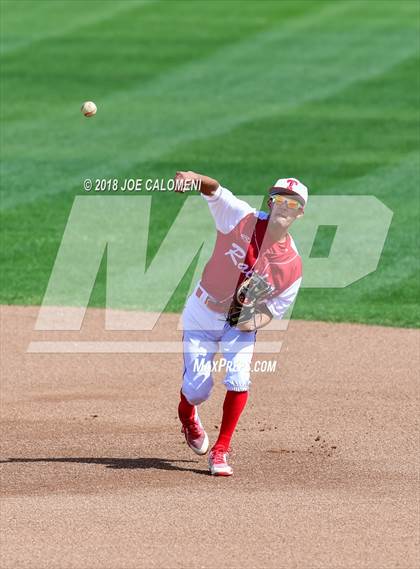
(327, 91)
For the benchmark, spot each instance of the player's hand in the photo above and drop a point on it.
(184, 181)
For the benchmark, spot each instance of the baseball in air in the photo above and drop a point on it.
(89, 108)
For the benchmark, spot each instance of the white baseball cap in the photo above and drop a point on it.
(290, 186)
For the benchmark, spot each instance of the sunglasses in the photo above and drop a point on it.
(289, 202)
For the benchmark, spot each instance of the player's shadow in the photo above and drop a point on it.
(126, 463)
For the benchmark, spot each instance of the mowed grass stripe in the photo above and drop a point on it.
(161, 106)
(130, 50)
(26, 22)
(325, 140)
(265, 55)
(39, 141)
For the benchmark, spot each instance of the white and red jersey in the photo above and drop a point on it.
(244, 246)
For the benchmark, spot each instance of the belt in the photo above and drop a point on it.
(212, 304)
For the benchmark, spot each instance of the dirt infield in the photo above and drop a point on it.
(95, 473)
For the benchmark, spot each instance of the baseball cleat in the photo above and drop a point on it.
(218, 465)
(195, 435)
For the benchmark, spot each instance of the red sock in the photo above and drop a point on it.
(185, 410)
(233, 406)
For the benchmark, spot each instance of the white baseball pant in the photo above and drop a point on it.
(206, 332)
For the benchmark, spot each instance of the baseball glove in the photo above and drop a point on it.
(248, 301)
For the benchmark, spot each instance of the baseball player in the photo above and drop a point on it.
(252, 276)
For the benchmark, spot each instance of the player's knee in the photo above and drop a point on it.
(197, 392)
(196, 396)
